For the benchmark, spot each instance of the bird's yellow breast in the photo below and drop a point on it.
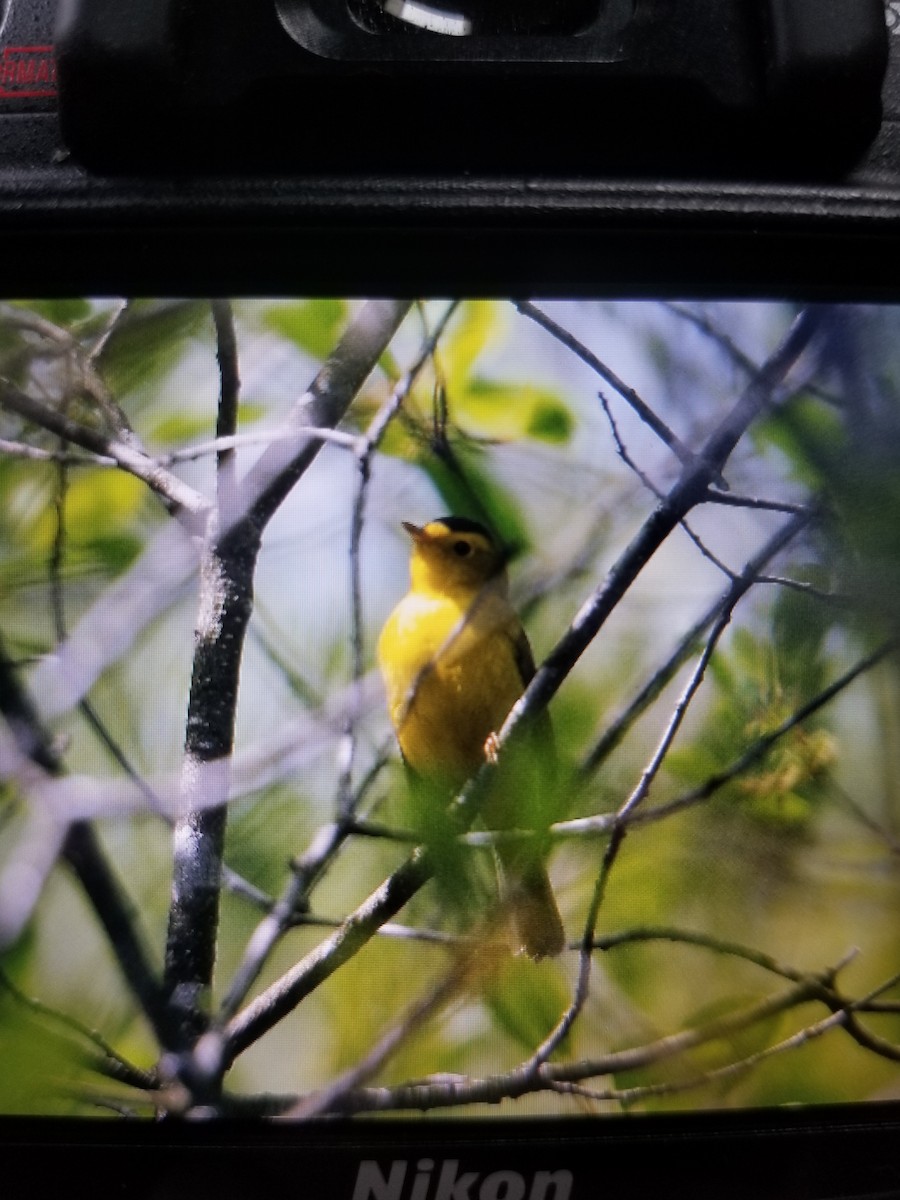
(451, 675)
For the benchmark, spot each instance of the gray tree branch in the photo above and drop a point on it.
(228, 564)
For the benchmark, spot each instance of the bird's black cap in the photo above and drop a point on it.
(463, 525)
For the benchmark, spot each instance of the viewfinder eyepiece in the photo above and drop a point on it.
(483, 18)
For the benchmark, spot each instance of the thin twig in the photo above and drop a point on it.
(732, 351)
(219, 445)
(357, 929)
(111, 1063)
(601, 825)
(806, 589)
(436, 998)
(85, 358)
(65, 457)
(618, 831)
(101, 341)
(734, 500)
(823, 982)
(90, 714)
(742, 1066)
(628, 394)
(181, 500)
(660, 679)
(443, 1092)
(286, 912)
(648, 483)
(391, 930)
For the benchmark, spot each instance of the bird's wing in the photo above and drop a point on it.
(542, 739)
(522, 654)
(525, 665)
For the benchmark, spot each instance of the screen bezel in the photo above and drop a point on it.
(549, 244)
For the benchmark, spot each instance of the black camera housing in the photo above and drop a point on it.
(300, 84)
(172, 162)
(198, 166)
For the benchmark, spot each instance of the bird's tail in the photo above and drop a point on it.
(537, 925)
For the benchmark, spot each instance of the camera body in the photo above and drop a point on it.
(684, 86)
(684, 147)
(220, 136)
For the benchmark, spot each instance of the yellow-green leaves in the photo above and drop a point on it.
(312, 325)
(507, 412)
(100, 508)
(489, 407)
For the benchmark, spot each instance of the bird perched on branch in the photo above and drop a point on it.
(455, 659)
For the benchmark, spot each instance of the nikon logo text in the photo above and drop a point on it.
(428, 1180)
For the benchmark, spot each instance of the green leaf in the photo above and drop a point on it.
(693, 764)
(37, 1054)
(807, 432)
(800, 623)
(114, 552)
(177, 429)
(149, 341)
(511, 412)
(100, 504)
(550, 422)
(787, 811)
(751, 657)
(17, 959)
(248, 413)
(312, 325)
(476, 324)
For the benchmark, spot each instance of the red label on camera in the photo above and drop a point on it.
(27, 71)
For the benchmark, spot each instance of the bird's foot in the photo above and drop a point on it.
(492, 749)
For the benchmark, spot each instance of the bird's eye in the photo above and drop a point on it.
(462, 549)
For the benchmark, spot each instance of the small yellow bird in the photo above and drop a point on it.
(455, 659)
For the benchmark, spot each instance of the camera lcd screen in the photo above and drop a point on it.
(643, 854)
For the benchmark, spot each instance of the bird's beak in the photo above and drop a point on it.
(416, 532)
